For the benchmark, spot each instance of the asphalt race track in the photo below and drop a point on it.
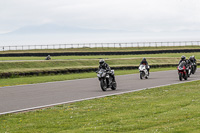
(25, 97)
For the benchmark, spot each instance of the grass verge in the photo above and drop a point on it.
(172, 108)
(169, 55)
(62, 77)
(33, 66)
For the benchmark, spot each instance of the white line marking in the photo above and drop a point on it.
(38, 107)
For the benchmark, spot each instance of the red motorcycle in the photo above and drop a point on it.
(182, 72)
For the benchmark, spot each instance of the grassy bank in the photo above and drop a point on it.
(173, 108)
(53, 78)
(111, 49)
(31, 66)
(172, 55)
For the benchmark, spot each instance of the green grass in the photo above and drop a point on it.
(27, 66)
(174, 55)
(172, 108)
(53, 78)
(101, 49)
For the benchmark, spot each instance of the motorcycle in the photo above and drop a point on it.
(189, 70)
(182, 72)
(106, 79)
(143, 71)
(194, 66)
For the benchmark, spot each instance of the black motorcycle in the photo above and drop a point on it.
(106, 79)
(194, 67)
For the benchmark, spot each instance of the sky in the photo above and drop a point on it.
(99, 20)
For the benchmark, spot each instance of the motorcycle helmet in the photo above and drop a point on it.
(183, 57)
(191, 58)
(144, 59)
(101, 62)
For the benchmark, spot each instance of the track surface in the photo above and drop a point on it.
(28, 96)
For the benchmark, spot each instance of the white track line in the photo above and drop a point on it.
(38, 107)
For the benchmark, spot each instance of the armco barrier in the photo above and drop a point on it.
(65, 71)
(101, 53)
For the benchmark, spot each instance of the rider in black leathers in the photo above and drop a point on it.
(192, 59)
(144, 62)
(187, 63)
(104, 65)
(183, 58)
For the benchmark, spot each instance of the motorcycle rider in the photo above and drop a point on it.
(183, 58)
(186, 63)
(105, 66)
(144, 62)
(192, 59)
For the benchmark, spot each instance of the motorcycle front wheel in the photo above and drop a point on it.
(141, 75)
(180, 76)
(103, 85)
(193, 69)
(114, 85)
(186, 76)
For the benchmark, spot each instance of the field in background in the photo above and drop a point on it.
(173, 108)
(31, 64)
(170, 55)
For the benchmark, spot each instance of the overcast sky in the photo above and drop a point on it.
(153, 16)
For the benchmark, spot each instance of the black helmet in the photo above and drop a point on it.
(191, 57)
(183, 57)
(101, 61)
(144, 59)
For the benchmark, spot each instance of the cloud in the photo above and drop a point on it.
(126, 15)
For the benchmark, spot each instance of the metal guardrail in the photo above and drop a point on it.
(101, 45)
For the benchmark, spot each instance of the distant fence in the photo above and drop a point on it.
(101, 45)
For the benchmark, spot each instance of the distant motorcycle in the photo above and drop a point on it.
(106, 80)
(143, 71)
(182, 72)
(189, 70)
(194, 66)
